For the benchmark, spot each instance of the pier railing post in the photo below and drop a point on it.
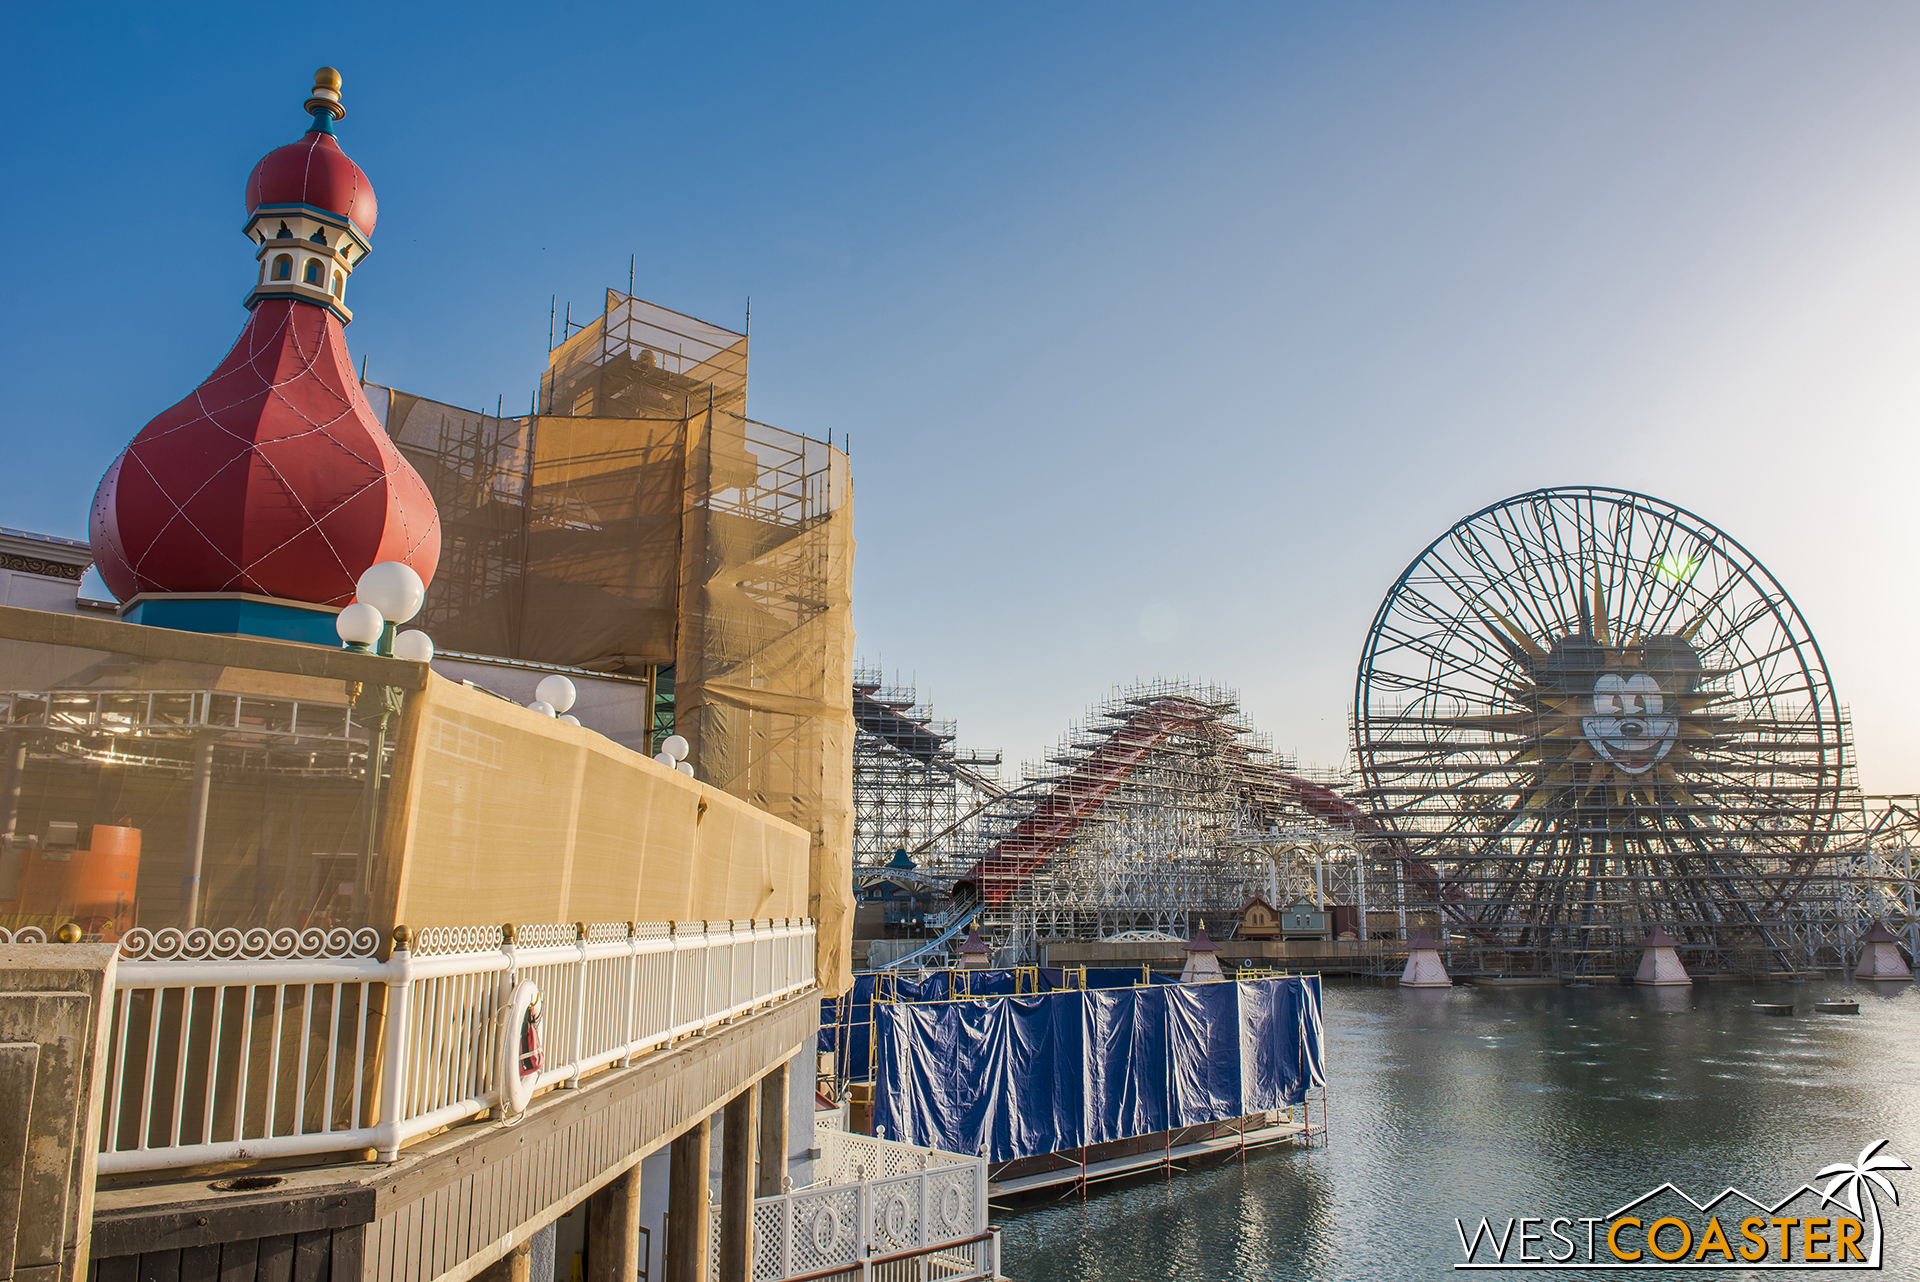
(863, 1199)
(395, 1045)
(579, 1004)
(787, 1219)
(633, 989)
(733, 966)
(926, 1209)
(673, 978)
(980, 1194)
(707, 972)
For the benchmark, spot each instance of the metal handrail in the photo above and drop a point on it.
(866, 1266)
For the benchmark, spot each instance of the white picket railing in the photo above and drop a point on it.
(881, 1211)
(233, 1045)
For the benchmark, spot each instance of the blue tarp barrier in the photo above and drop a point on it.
(1020, 1076)
(1117, 976)
(845, 1022)
(1127, 1064)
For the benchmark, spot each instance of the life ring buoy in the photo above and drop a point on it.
(521, 1054)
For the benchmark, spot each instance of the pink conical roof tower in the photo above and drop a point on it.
(1203, 965)
(1880, 956)
(1660, 965)
(1424, 967)
(274, 477)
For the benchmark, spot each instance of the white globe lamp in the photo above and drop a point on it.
(541, 706)
(685, 768)
(359, 625)
(571, 720)
(676, 747)
(415, 645)
(392, 588)
(556, 690)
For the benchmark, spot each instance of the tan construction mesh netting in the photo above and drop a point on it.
(158, 781)
(161, 779)
(501, 816)
(142, 768)
(642, 520)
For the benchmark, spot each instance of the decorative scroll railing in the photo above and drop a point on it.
(236, 1045)
(881, 1211)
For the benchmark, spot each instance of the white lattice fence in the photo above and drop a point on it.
(882, 1200)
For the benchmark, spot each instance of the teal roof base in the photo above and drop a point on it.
(235, 614)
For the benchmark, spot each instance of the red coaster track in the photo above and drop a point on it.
(1041, 835)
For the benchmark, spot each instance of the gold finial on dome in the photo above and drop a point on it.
(326, 94)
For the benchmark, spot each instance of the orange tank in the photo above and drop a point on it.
(94, 887)
(105, 876)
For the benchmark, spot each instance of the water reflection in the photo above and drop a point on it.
(1512, 1101)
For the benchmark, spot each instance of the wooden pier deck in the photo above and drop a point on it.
(1150, 1159)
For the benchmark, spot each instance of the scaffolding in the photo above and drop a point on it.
(1164, 807)
(640, 523)
(1134, 822)
(913, 789)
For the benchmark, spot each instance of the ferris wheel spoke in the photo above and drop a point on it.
(1430, 647)
(1499, 570)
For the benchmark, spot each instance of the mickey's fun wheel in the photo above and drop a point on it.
(1586, 711)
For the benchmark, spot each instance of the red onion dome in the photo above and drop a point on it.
(314, 171)
(272, 477)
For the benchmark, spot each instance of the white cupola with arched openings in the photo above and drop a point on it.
(304, 253)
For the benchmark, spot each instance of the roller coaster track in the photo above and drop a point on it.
(1276, 788)
(957, 919)
(1054, 819)
(1038, 837)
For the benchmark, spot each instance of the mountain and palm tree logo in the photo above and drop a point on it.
(1837, 1226)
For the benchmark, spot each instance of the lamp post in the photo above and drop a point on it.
(387, 595)
(392, 588)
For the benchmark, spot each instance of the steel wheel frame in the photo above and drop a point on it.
(1471, 730)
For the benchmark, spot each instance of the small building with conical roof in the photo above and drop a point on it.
(1203, 959)
(1660, 965)
(1424, 967)
(1880, 956)
(974, 953)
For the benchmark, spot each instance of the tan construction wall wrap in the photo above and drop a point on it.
(764, 676)
(507, 816)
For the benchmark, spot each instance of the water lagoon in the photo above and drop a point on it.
(1503, 1102)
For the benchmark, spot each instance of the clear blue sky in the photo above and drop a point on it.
(1166, 336)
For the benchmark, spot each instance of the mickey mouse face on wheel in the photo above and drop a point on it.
(1628, 697)
(1628, 727)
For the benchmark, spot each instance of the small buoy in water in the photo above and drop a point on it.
(1838, 1008)
(1774, 1008)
